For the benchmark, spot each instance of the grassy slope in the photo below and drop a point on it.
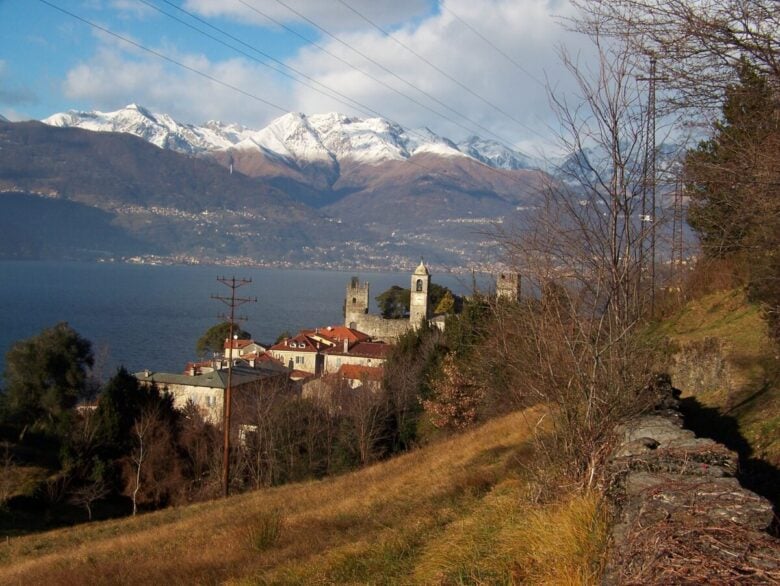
(459, 511)
(750, 389)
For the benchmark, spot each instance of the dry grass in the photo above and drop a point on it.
(750, 388)
(387, 524)
(508, 540)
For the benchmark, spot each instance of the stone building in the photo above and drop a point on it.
(358, 354)
(356, 305)
(206, 391)
(508, 286)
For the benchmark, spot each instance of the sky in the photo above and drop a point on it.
(457, 67)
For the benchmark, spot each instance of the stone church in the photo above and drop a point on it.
(356, 314)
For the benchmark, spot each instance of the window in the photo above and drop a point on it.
(299, 359)
(419, 285)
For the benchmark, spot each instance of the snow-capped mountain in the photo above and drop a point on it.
(322, 139)
(494, 154)
(158, 129)
(3, 118)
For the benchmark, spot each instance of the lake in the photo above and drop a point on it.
(145, 316)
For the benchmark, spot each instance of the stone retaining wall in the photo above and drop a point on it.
(681, 516)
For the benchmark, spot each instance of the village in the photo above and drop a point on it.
(312, 362)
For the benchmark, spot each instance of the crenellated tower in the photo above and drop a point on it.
(356, 302)
(508, 286)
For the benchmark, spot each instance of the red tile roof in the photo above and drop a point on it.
(357, 372)
(238, 344)
(299, 343)
(338, 334)
(363, 349)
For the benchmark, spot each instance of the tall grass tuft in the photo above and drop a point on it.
(510, 540)
(265, 531)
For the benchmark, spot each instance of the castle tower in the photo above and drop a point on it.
(418, 302)
(508, 286)
(355, 303)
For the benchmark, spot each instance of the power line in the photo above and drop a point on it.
(165, 57)
(435, 67)
(492, 44)
(360, 106)
(237, 89)
(353, 104)
(364, 108)
(408, 83)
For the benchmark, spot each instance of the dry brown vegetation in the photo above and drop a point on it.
(722, 334)
(464, 510)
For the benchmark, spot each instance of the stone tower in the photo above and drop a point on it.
(356, 302)
(418, 302)
(508, 286)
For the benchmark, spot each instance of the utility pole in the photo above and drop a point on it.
(232, 302)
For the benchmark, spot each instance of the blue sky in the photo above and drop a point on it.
(447, 76)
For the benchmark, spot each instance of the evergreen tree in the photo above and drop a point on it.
(731, 177)
(45, 377)
(732, 180)
(213, 340)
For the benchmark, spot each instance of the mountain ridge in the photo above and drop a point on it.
(298, 137)
(331, 191)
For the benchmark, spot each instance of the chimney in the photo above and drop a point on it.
(346, 345)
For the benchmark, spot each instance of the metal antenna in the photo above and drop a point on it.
(650, 174)
(232, 302)
(677, 231)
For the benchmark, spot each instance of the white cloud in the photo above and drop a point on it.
(113, 78)
(526, 30)
(327, 13)
(13, 115)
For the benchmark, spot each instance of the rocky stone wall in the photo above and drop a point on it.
(681, 516)
(379, 328)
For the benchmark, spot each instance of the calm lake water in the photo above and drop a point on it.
(143, 316)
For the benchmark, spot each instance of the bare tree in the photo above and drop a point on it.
(576, 346)
(6, 474)
(153, 473)
(258, 440)
(86, 495)
(698, 44)
(201, 444)
(365, 412)
(141, 437)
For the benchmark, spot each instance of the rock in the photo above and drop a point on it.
(681, 517)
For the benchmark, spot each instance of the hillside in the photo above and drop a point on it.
(463, 510)
(388, 193)
(155, 199)
(727, 368)
(723, 358)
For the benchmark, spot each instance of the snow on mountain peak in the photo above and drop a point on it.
(320, 138)
(494, 154)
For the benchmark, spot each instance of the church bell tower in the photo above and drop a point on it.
(418, 301)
